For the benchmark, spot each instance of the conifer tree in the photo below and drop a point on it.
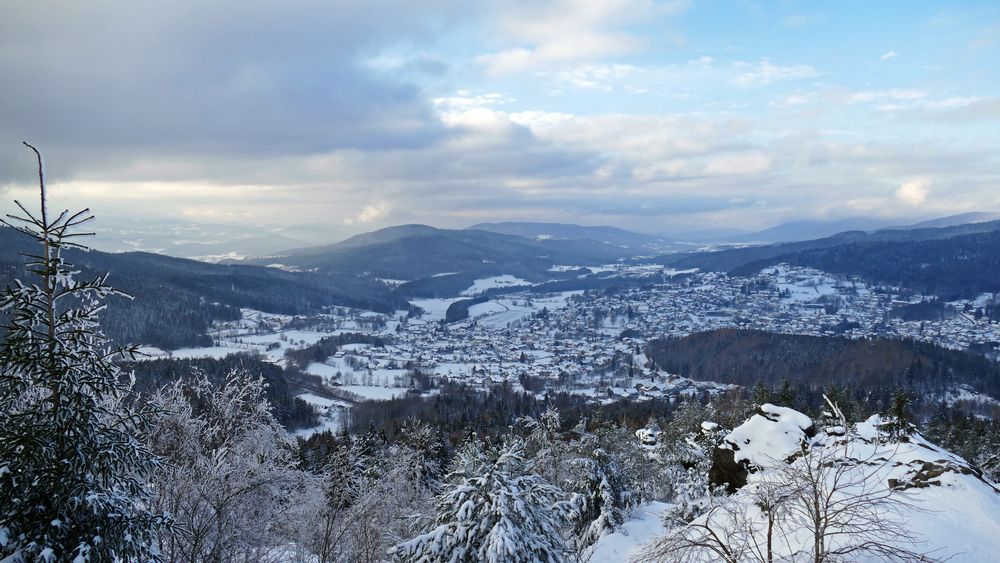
(72, 469)
(492, 510)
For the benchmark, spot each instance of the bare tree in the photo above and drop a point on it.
(728, 530)
(848, 508)
(842, 502)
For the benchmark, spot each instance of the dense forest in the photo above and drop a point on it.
(953, 268)
(950, 262)
(877, 366)
(176, 300)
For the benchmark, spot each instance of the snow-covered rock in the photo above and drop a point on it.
(922, 499)
(771, 436)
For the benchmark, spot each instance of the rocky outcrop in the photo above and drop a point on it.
(772, 435)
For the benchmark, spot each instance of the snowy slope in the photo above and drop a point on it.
(941, 503)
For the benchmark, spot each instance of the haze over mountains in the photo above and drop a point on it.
(385, 269)
(217, 242)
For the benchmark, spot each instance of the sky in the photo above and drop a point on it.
(352, 115)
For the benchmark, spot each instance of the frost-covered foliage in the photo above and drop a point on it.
(492, 509)
(546, 445)
(603, 474)
(611, 476)
(605, 497)
(72, 472)
(228, 478)
(374, 497)
(684, 453)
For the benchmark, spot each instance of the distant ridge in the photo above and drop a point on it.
(614, 236)
(411, 252)
(953, 220)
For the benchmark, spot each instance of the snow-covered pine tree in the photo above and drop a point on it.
(72, 471)
(492, 510)
(605, 497)
(546, 446)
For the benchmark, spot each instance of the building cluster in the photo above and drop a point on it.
(592, 342)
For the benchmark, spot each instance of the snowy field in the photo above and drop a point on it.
(434, 309)
(375, 392)
(208, 352)
(802, 288)
(330, 411)
(494, 282)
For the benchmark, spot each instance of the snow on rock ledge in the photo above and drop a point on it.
(772, 435)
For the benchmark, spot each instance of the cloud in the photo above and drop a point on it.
(371, 213)
(230, 77)
(893, 95)
(674, 80)
(765, 72)
(466, 99)
(888, 55)
(557, 32)
(914, 192)
(358, 113)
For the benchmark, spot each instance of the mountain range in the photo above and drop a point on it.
(411, 252)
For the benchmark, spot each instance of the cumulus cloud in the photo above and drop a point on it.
(888, 55)
(915, 191)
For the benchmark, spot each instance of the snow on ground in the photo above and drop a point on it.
(483, 284)
(948, 511)
(326, 371)
(209, 352)
(968, 393)
(323, 402)
(434, 309)
(802, 288)
(453, 369)
(488, 308)
(964, 521)
(374, 392)
(769, 438)
(330, 422)
(331, 414)
(502, 312)
(152, 353)
(643, 524)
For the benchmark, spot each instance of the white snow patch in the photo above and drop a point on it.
(769, 438)
(624, 544)
(483, 284)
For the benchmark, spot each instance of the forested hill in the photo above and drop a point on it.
(637, 243)
(877, 366)
(950, 262)
(412, 252)
(952, 268)
(176, 299)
